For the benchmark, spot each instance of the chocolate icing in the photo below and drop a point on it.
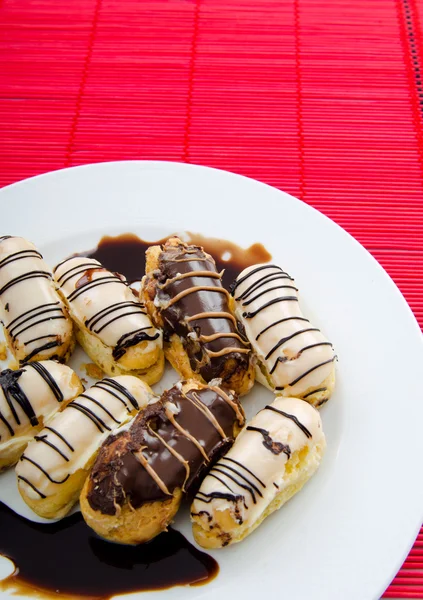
(168, 446)
(202, 296)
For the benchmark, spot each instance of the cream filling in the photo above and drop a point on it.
(252, 464)
(79, 435)
(109, 310)
(41, 397)
(23, 305)
(292, 364)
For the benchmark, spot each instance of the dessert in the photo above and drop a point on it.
(53, 468)
(294, 357)
(272, 458)
(183, 294)
(29, 397)
(140, 474)
(35, 321)
(112, 325)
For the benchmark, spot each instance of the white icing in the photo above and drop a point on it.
(40, 396)
(298, 361)
(30, 308)
(109, 310)
(80, 432)
(264, 467)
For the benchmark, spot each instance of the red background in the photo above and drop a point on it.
(320, 98)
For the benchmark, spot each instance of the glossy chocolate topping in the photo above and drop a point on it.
(196, 308)
(168, 446)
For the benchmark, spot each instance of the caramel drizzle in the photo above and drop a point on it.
(235, 407)
(260, 288)
(174, 453)
(115, 390)
(212, 315)
(207, 413)
(208, 274)
(141, 458)
(184, 432)
(198, 288)
(224, 351)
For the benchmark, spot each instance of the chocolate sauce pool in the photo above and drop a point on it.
(125, 254)
(67, 557)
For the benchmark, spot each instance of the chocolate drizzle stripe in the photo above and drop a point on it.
(263, 281)
(92, 284)
(207, 498)
(227, 486)
(92, 321)
(13, 393)
(43, 309)
(23, 457)
(322, 364)
(6, 237)
(20, 255)
(120, 388)
(245, 468)
(94, 401)
(279, 322)
(101, 387)
(292, 417)
(126, 314)
(243, 477)
(269, 443)
(314, 346)
(99, 423)
(322, 389)
(250, 315)
(272, 289)
(74, 272)
(7, 424)
(44, 440)
(31, 485)
(252, 272)
(198, 288)
(37, 339)
(238, 483)
(60, 436)
(43, 372)
(47, 319)
(25, 277)
(287, 339)
(47, 346)
(65, 260)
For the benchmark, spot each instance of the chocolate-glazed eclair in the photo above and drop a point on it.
(29, 397)
(294, 357)
(272, 458)
(184, 295)
(53, 468)
(112, 325)
(137, 482)
(35, 321)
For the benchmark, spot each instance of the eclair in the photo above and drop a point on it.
(272, 458)
(35, 321)
(184, 296)
(293, 357)
(140, 475)
(53, 468)
(29, 397)
(112, 325)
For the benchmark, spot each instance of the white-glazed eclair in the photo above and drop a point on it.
(28, 398)
(35, 321)
(53, 468)
(294, 357)
(272, 458)
(111, 324)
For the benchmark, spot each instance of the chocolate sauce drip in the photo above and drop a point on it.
(197, 305)
(13, 393)
(100, 569)
(167, 447)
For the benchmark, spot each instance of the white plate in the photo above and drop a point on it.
(346, 534)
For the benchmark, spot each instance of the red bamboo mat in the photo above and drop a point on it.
(321, 98)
